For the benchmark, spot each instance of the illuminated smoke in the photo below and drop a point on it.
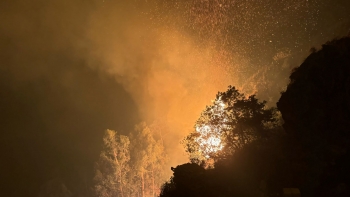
(174, 55)
(171, 56)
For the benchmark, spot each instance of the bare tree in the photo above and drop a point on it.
(113, 166)
(149, 158)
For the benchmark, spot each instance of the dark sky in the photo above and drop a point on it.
(71, 69)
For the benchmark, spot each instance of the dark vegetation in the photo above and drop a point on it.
(311, 152)
(236, 119)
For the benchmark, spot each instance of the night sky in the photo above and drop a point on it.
(71, 69)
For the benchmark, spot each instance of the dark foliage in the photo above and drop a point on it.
(234, 118)
(241, 174)
(251, 135)
(316, 111)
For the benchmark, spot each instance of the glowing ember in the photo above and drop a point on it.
(210, 134)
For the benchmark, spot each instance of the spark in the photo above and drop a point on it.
(210, 136)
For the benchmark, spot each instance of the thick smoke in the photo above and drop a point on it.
(54, 108)
(173, 56)
(71, 69)
(168, 75)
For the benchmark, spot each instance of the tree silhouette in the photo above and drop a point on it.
(234, 119)
(188, 180)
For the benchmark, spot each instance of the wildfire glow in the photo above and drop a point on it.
(210, 135)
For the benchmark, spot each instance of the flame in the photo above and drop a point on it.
(210, 138)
